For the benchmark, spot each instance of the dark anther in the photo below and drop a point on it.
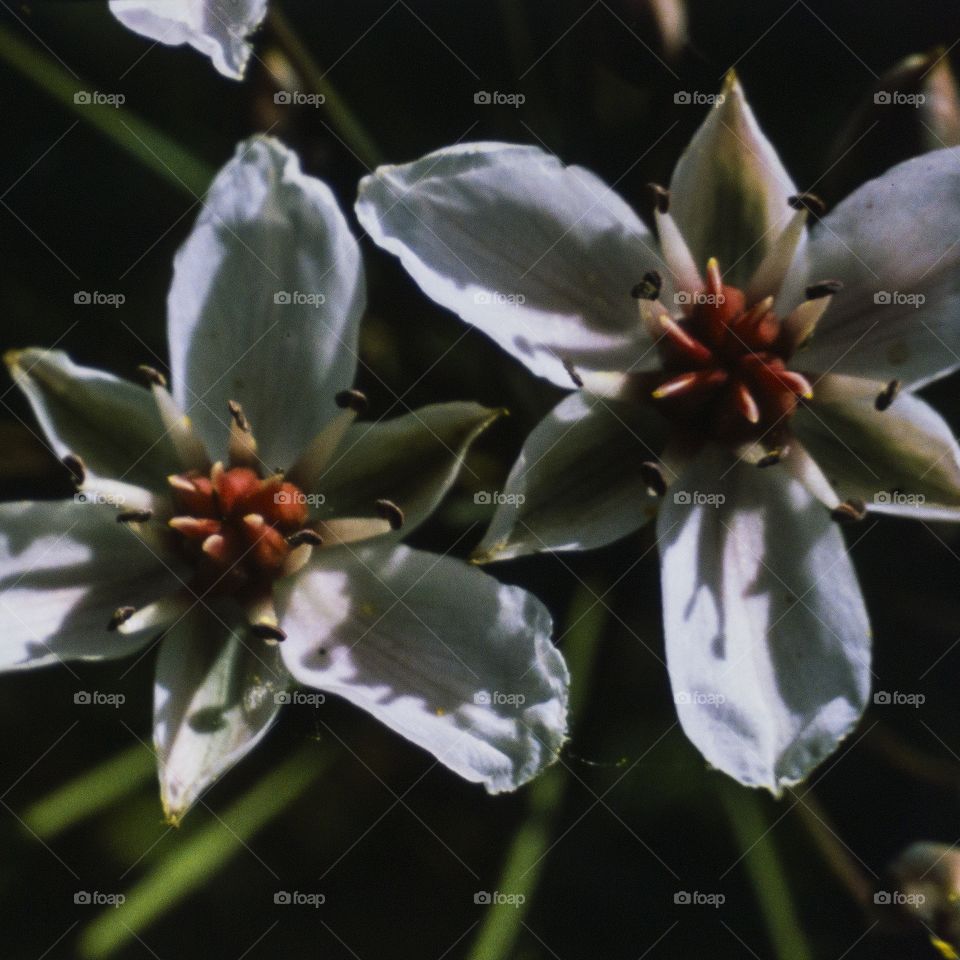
(120, 615)
(825, 288)
(239, 418)
(572, 371)
(78, 472)
(390, 512)
(887, 395)
(661, 197)
(267, 631)
(649, 287)
(850, 511)
(153, 377)
(808, 201)
(134, 516)
(352, 400)
(305, 536)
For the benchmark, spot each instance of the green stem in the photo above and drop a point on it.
(150, 146)
(196, 858)
(342, 118)
(91, 792)
(531, 843)
(751, 828)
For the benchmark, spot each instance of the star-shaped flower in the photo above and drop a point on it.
(252, 524)
(764, 389)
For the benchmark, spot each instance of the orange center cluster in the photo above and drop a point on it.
(234, 525)
(724, 368)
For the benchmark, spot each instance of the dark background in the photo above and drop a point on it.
(89, 216)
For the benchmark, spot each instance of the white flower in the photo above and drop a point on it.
(220, 29)
(735, 405)
(256, 578)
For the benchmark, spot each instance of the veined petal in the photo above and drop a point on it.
(217, 692)
(265, 305)
(893, 244)
(410, 460)
(578, 482)
(539, 256)
(218, 28)
(65, 568)
(729, 191)
(901, 460)
(111, 424)
(443, 654)
(767, 638)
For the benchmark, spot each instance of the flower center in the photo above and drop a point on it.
(234, 526)
(724, 369)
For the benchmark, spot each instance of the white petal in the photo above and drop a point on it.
(65, 567)
(767, 638)
(539, 256)
(411, 460)
(729, 191)
(438, 651)
(894, 244)
(218, 689)
(577, 483)
(218, 28)
(111, 424)
(903, 460)
(268, 234)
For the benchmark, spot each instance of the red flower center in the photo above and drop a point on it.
(725, 367)
(234, 525)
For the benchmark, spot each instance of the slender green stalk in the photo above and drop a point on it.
(531, 843)
(142, 140)
(342, 118)
(91, 792)
(751, 828)
(194, 859)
